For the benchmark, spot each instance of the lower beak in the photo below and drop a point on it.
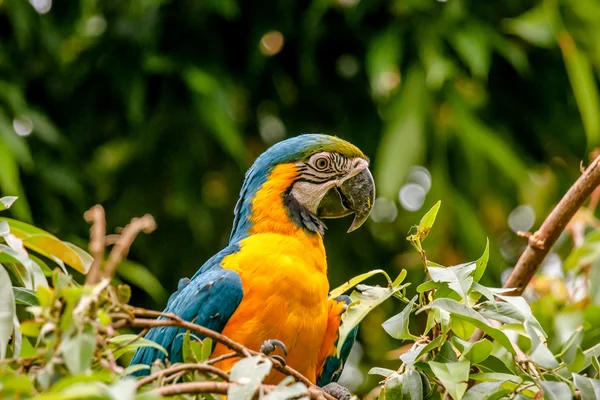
(354, 196)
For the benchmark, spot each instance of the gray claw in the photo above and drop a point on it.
(280, 359)
(270, 346)
(337, 391)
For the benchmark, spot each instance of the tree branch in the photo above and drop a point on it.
(219, 388)
(542, 241)
(239, 349)
(184, 367)
(96, 217)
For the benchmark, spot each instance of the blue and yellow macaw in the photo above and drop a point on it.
(269, 285)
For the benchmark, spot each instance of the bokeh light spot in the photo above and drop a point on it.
(421, 176)
(412, 196)
(95, 25)
(348, 3)
(384, 210)
(347, 66)
(23, 125)
(41, 6)
(271, 43)
(521, 218)
(271, 129)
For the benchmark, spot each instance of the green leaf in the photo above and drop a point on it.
(588, 388)
(412, 387)
(555, 390)
(188, 356)
(248, 373)
(434, 344)
(496, 376)
(47, 245)
(481, 263)
(7, 311)
(460, 311)
(119, 341)
(500, 311)
(397, 326)
(583, 83)
(6, 202)
(454, 376)
(358, 279)
(78, 350)
(428, 220)
(135, 368)
(472, 45)
(570, 347)
(205, 350)
(364, 300)
(534, 26)
(542, 356)
(25, 296)
(474, 352)
(482, 391)
(392, 390)
(594, 290)
(140, 276)
(381, 371)
(458, 277)
(426, 286)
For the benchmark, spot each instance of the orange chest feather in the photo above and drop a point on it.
(285, 298)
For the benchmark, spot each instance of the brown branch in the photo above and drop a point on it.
(183, 367)
(96, 217)
(218, 388)
(239, 349)
(144, 224)
(178, 322)
(193, 387)
(542, 241)
(221, 358)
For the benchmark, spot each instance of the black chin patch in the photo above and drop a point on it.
(301, 216)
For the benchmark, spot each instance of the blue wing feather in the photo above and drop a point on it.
(333, 366)
(208, 299)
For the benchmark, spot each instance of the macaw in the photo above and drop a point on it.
(268, 289)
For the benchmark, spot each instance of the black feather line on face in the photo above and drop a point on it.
(301, 216)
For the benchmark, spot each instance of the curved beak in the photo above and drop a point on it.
(354, 196)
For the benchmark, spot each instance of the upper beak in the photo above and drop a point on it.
(355, 195)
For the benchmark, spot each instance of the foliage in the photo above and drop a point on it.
(159, 107)
(517, 359)
(66, 340)
(70, 340)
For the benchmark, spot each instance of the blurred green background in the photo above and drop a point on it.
(159, 107)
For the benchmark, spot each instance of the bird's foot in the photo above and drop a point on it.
(269, 346)
(338, 391)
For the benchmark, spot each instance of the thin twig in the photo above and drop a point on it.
(184, 367)
(144, 224)
(221, 358)
(96, 217)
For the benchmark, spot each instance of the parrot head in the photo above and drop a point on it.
(311, 177)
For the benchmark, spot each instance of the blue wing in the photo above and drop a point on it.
(208, 299)
(333, 366)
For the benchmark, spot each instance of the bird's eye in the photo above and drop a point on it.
(322, 163)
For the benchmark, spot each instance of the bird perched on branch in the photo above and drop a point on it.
(268, 288)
